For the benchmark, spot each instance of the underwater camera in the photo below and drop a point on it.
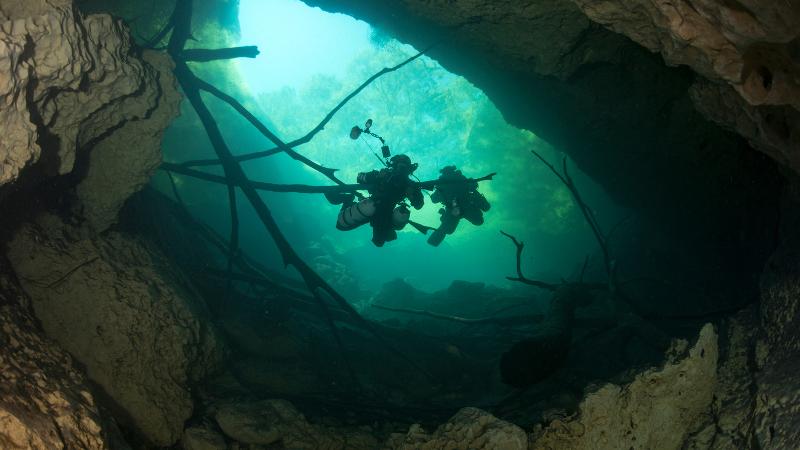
(357, 131)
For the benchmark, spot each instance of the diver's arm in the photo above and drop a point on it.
(370, 177)
(481, 201)
(414, 195)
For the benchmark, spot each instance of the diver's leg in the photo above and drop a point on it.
(436, 237)
(448, 226)
(475, 216)
(381, 227)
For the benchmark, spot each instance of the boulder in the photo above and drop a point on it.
(68, 80)
(121, 164)
(200, 438)
(267, 422)
(470, 428)
(121, 309)
(660, 408)
(45, 400)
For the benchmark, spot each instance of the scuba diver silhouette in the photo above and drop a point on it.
(461, 200)
(385, 209)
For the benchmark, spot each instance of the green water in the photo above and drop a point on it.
(435, 117)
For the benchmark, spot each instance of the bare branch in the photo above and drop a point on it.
(303, 188)
(320, 126)
(526, 319)
(205, 55)
(591, 220)
(182, 27)
(520, 277)
(244, 112)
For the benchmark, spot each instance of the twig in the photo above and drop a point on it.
(71, 271)
(175, 191)
(591, 220)
(532, 318)
(520, 277)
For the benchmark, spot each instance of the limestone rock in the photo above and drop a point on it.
(470, 428)
(734, 397)
(774, 130)
(777, 408)
(746, 43)
(123, 162)
(659, 409)
(121, 310)
(198, 438)
(262, 422)
(67, 80)
(271, 421)
(750, 47)
(45, 401)
(546, 37)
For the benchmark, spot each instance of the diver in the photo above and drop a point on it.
(461, 200)
(385, 208)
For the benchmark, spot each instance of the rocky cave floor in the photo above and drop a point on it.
(118, 330)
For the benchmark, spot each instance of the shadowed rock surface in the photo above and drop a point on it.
(69, 81)
(45, 399)
(133, 321)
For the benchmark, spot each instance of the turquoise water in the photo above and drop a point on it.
(309, 61)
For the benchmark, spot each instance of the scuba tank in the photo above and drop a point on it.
(355, 215)
(400, 217)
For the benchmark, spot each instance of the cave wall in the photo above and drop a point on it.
(83, 111)
(749, 50)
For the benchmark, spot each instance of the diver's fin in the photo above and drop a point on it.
(420, 227)
(436, 237)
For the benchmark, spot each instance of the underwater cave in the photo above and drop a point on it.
(302, 224)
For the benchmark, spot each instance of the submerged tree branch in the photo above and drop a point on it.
(531, 318)
(305, 188)
(205, 55)
(520, 277)
(587, 212)
(320, 126)
(244, 112)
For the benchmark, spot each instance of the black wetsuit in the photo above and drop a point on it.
(461, 200)
(389, 188)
